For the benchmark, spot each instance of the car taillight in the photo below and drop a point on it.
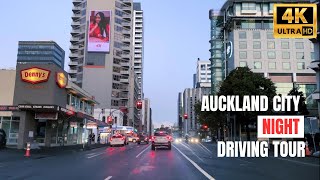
(122, 138)
(169, 137)
(153, 138)
(146, 139)
(110, 139)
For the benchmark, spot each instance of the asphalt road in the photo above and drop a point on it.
(184, 161)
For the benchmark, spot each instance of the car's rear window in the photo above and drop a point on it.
(160, 134)
(117, 136)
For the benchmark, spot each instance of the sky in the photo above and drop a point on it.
(176, 33)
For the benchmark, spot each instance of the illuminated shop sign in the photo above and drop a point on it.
(35, 75)
(61, 80)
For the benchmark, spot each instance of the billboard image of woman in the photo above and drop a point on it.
(99, 31)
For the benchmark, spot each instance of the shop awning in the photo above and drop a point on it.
(90, 118)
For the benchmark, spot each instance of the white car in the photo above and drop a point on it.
(117, 139)
(160, 139)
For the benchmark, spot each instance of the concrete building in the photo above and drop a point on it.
(138, 30)
(315, 64)
(248, 33)
(146, 116)
(40, 52)
(180, 111)
(101, 60)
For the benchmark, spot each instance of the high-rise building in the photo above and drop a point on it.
(138, 45)
(249, 41)
(216, 50)
(315, 64)
(180, 111)
(40, 52)
(101, 57)
(146, 116)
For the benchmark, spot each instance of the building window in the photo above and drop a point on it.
(286, 66)
(299, 45)
(257, 65)
(242, 35)
(300, 55)
(243, 55)
(256, 54)
(272, 65)
(301, 66)
(203, 67)
(270, 35)
(242, 45)
(256, 45)
(271, 7)
(271, 55)
(271, 45)
(285, 45)
(312, 55)
(242, 63)
(248, 6)
(285, 55)
(256, 35)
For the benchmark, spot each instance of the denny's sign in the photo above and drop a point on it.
(35, 75)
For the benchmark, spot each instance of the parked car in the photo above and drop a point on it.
(118, 139)
(143, 139)
(3, 138)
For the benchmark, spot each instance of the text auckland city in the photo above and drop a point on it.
(249, 103)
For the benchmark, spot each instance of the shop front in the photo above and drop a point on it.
(48, 109)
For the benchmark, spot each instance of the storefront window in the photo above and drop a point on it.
(73, 101)
(81, 105)
(68, 99)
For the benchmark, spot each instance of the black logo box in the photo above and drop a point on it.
(308, 14)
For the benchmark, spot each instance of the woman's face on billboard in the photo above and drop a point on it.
(98, 18)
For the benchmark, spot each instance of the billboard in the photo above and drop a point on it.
(99, 31)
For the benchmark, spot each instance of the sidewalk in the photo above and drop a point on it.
(13, 154)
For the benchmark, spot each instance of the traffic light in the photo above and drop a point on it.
(185, 116)
(109, 119)
(139, 104)
(205, 126)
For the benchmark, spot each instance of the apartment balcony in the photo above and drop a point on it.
(126, 15)
(126, 39)
(124, 64)
(73, 63)
(74, 39)
(124, 31)
(124, 89)
(76, 16)
(126, 8)
(77, 1)
(73, 55)
(74, 47)
(138, 56)
(73, 71)
(124, 23)
(124, 80)
(139, 30)
(76, 31)
(75, 23)
(124, 72)
(138, 50)
(138, 25)
(125, 55)
(138, 20)
(76, 8)
(138, 35)
(125, 47)
(138, 45)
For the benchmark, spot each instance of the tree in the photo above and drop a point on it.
(242, 81)
(302, 107)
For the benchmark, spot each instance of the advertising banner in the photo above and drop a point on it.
(99, 31)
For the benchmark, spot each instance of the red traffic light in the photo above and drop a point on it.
(185, 116)
(205, 126)
(139, 105)
(109, 119)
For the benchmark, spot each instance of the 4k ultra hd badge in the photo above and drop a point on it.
(295, 20)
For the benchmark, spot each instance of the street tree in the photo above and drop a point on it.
(242, 81)
(302, 107)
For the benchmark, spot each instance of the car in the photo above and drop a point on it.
(3, 138)
(161, 139)
(194, 140)
(118, 139)
(178, 140)
(133, 139)
(143, 139)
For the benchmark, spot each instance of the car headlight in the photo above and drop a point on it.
(197, 140)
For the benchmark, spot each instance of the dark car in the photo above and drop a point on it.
(3, 138)
(143, 139)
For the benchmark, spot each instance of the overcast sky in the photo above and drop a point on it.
(177, 32)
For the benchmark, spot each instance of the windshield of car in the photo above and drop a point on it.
(160, 134)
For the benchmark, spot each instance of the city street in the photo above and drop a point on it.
(184, 161)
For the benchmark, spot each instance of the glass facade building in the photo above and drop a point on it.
(217, 49)
(43, 52)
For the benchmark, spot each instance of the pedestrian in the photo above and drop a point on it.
(99, 138)
(93, 137)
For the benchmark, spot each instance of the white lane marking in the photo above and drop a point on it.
(95, 155)
(109, 177)
(91, 154)
(143, 151)
(205, 148)
(195, 164)
(192, 152)
(298, 162)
